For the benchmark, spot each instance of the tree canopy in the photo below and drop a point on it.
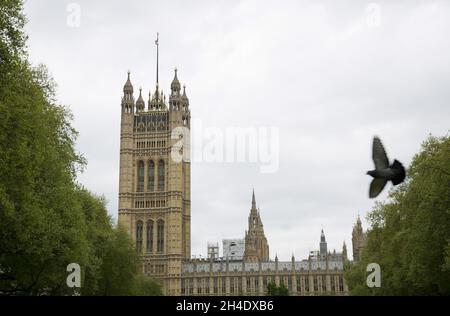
(274, 290)
(47, 219)
(409, 235)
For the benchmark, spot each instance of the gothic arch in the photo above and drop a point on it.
(151, 176)
(139, 232)
(161, 175)
(150, 236)
(160, 235)
(140, 176)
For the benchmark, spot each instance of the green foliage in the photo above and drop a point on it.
(410, 233)
(274, 290)
(46, 219)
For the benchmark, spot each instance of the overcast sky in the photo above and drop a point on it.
(328, 75)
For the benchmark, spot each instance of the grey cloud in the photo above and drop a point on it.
(316, 71)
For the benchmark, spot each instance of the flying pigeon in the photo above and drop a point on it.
(383, 172)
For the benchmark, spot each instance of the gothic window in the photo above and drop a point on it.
(160, 235)
(150, 236)
(151, 176)
(224, 286)
(206, 285)
(341, 284)
(140, 177)
(139, 227)
(232, 289)
(216, 285)
(333, 286)
(161, 175)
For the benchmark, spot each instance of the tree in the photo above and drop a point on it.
(409, 235)
(48, 220)
(274, 290)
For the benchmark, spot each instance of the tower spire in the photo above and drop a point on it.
(253, 199)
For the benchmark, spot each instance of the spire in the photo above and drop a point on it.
(175, 86)
(128, 87)
(323, 244)
(322, 236)
(357, 228)
(344, 251)
(128, 99)
(140, 104)
(149, 100)
(253, 200)
(184, 97)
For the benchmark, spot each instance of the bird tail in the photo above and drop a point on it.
(401, 170)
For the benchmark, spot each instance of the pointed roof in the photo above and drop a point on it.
(175, 85)
(128, 87)
(253, 199)
(140, 104)
(184, 96)
(322, 236)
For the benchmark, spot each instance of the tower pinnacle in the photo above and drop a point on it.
(253, 200)
(140, 104)
(175, 86)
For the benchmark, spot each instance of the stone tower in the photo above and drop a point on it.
(154, 180)
(344, 252)
(256, 247)
(358, 240)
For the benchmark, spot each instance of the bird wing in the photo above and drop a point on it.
(379, 154)
(376, 186)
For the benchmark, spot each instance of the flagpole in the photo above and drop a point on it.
(157, 56)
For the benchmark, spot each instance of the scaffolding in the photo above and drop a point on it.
(213, 250)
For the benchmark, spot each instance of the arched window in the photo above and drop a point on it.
(140, 177)
(161, 175)
(160, 236)
(151, 176)
(150, 236)
(139, 227)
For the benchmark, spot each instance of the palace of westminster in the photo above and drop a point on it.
(155, 208)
